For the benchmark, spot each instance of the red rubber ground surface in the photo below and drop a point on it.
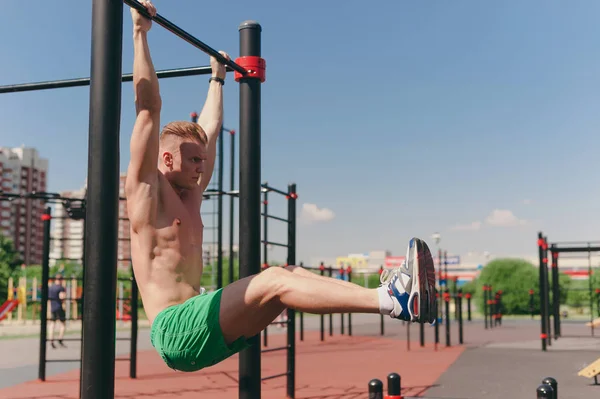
(340, 367)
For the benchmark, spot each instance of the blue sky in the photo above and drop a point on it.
(475, 119)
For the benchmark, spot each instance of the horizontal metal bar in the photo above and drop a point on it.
(209, 193)
(69, 259)
(62, 360)
(277, 244)
(275, 217)
(569, 243)
(168, 25)
(280, 322)
(122, 359)
(273, 189)
(274, 376)
(78, 82)
(317, 268)
(280, 348)
(66, 339)
(575, 249)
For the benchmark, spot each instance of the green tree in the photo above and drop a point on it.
(9, 260)
(514, 277)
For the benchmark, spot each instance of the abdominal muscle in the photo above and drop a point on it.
(168, 267)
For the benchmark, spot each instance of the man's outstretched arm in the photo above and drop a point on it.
(211, 118)
(142, 171)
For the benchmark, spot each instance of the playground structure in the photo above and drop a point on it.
(548, 309)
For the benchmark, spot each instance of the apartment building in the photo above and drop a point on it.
(67, 234)
(22, 170)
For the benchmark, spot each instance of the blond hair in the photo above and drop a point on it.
(183, 130)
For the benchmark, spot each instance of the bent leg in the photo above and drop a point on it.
(250, 304)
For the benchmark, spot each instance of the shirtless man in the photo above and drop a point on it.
(167, 174)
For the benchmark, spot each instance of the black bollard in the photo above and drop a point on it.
(394, 386)
(545, 392)
(375, 389)
(552, 382)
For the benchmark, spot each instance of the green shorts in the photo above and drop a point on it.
(188, 336)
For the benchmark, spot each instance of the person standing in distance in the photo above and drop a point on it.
(56, 296)
(169, 170)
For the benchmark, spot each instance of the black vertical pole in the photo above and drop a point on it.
(469, 306)
(291, 313)
(220, 213)
(547, 289)
(322, 271)
(590, 289)
(342, 313)
(492, 308)
(349, 314)
(330, 270)
(102, 210)
(82, 298)
(437, 300)
(543, 335)
(134, 327)
(485, 305)
(459, 297)
(249, 198)
(231, 207)
(46, 217)
(265, 248)
(555, 293)
(447, 300)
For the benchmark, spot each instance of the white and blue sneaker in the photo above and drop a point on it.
(412, 285)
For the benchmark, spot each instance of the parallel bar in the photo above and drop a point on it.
(275, 217)
(280, 348)
(249, 202)
(168, 25)
(79, 82)
(102, 206)
(122, 359)
(273, 376)
(277, 244)
(577, 249)
(275, 190)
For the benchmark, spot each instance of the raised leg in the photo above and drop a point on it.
(250, 304)
(307, 273)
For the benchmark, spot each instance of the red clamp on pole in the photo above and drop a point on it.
(45, 217)
(255, 66)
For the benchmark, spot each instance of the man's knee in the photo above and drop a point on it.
(275, 280)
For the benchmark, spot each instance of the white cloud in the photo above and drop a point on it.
(503, 218)
(468, 227)
(527, 202)
(311, 213)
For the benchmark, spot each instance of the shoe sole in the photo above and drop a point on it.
(422, 297)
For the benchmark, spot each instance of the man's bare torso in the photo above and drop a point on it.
(166, 246)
